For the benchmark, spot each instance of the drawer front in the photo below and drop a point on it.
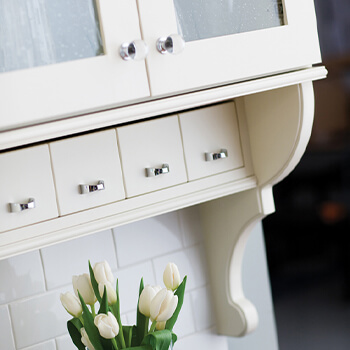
(87, 171)
(27, 192)
(211, 140)
(151, 145)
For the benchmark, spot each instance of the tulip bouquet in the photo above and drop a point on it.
(103, 330)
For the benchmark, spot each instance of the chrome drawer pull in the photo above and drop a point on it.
(92, 188)
(172, 44)
(151, 172)
(136, 50)
(214, 156)
(18, 207)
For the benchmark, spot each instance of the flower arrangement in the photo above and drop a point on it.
(103, 330)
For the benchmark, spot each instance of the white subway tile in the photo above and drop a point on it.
(65, 343)
(23, 275)
(185, 322)
(49, 345)
(129, 283)
(202, 341)
(202, 308)
(190, 225)
(190, 261)
(63, 260)
(6, 337)
(131, 318)
(144, 239)
(38, 319)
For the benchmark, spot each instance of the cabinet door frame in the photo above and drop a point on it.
(55, 91)
(230, 58)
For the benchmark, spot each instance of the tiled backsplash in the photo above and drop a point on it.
(31, 315)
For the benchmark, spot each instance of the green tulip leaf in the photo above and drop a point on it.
(115, 308)
(104, 303)
(94, 283)
(142, 347)
(141, 320)
(128, 331)
(90, 327)
(180, 292)
(74, 325)
(159, 340)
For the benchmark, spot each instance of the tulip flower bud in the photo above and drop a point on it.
(171, 276)
(107, 325)
(72, 304)
(160, 326)
(147, 294)
(82, 284)
(85, 339)
(163, 305)
(103, 272)
(111, 293)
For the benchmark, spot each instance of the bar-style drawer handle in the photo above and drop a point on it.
(214, 156)
(92, 188)
(151, 172)
(18, 207)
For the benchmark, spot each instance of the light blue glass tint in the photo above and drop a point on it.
(41, 32)
(203, 19)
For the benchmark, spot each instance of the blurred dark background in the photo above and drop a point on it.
(308, 238)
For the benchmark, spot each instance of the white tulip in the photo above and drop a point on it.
(107, 325)
(82, 284)
(163, 305)
(147, 294)
(111, 293)
(72, 304)
(171, 276)
(160, 326)
(85, 339)
(103, 272)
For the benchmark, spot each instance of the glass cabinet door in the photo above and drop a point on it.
(60, 58)
(225, 41)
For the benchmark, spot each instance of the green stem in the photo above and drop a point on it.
(153, 327)
(114, 342)
(93, 310)
(81, 320)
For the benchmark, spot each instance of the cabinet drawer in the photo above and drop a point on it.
(87, 171)
(27, 192)
(211, 140)
(151, 145)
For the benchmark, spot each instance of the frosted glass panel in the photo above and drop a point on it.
(203, 19)
(40, 32)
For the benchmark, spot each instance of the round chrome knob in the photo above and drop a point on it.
(173, 44)
(136, 50)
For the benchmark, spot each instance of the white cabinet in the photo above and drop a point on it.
(211, 140)
(151, 155)
(27, 191)
(87, 171)
(218, 53)
(55, 87)
(79, 69)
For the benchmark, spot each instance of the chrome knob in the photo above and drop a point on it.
(151, 172)
(173, 44)
(92, 188)
(18, 207)
(216, 155)
(136, 50)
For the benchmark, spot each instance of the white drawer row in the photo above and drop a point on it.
(62, 177)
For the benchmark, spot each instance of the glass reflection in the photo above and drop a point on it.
(41, 32)
(203, 19)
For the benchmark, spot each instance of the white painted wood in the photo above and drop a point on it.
(228, 58)
(119, 213)
(86, 160)
(66, 89)
(208, 130)
(26, 174)
(44, 131)
(226, 224)
(150, 145)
